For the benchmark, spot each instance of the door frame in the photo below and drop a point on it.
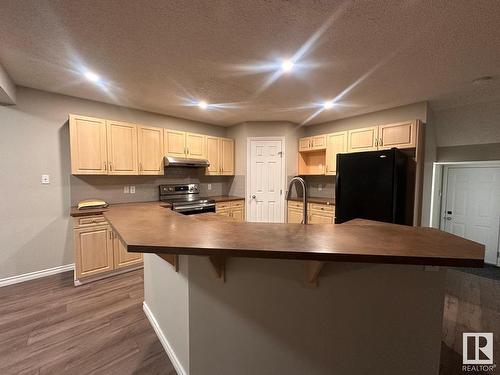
(283, 172)
(440, 183)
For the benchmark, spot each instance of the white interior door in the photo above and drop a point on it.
(471, 206)
(265, 181)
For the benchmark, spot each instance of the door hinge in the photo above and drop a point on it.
(281, 191)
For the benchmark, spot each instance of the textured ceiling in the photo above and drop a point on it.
(159, 55)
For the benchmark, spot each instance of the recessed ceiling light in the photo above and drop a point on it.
(482, 80)
(203, 105)
(91, 76)
(287, 65)
(328, 104)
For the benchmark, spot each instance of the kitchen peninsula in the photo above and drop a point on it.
(374, 279)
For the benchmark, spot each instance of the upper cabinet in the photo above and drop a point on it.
(364, 139)
(213, 155)
(108, 147)
(150, 150)
(317, 142)
(196, 146)
(122, 148)
(185, 145)
(336, 143)
(318, 154)
(88, 145)
(400, 135)
(226, 156)
(175, 143)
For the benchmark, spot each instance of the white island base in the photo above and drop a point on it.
(361, 319)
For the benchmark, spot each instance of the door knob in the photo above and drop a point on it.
(253, 197)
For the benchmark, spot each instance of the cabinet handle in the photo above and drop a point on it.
(110, 166)
(380, 142)
(140, 166)
(376, 142)
(110, 235)
(187, 150)
(105, 166)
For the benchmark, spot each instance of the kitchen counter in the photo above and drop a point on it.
(327, 201)
(226, 198)
(151, 228)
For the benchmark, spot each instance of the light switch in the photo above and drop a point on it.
(209, 186)
(132, 189)
(320, 187)
(45, 179)
(126, 189)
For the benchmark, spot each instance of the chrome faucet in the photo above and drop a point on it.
(304, 198)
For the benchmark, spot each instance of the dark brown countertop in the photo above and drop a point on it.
(152, 228)
(315, 200)
(226, 198)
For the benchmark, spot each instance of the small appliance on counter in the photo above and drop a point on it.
(91, 203)
(186, 199)
(376, 185)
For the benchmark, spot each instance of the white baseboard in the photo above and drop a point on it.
(36, 275)
(166, 345)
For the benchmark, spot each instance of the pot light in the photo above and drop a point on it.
(287, 66)
(91, 76)
(328, 104)
(203, 105)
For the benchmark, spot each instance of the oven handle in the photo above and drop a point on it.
(194, 208)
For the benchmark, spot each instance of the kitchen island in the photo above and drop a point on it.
(377, 308)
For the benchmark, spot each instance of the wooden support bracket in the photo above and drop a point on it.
(313, 268)
(173, 259)
(219, 265)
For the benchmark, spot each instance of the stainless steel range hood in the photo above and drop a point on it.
(172, 161)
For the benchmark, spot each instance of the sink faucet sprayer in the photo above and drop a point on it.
(304, 193)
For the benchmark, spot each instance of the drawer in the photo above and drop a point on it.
(240, 203)
(222, 205)
(295, 204)
(90, 220)
(321, 207)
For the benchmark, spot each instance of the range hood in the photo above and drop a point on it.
(172, 161)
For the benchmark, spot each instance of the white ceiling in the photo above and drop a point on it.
(157, 55)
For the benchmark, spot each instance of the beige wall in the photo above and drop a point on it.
(7, 88)
(35, 229)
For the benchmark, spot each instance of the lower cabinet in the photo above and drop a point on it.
(234, 209)
(98, 250)
(317, 213)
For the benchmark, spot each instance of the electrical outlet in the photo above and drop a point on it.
(126, 189)
(209, 186)
(132, 189)
(45, 179)
(320, 187)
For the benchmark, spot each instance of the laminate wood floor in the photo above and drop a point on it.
(472, 304)
(47, 326)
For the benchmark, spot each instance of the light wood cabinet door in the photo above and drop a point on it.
(400, 135)
(305, 144)
(227, 156)
(213, 155)
(364, 139)
(122, 148)
(335, 143)
(175, 143)
(196, 145)
(318, 142)
(93, 251)
(224, 211)
(122, 258)
(320, 218)
(88, 145)
(238, 213)
(150, 150)
(294, 215)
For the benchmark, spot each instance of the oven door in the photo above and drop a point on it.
(195, 209)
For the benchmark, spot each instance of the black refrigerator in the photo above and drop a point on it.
(375, 185)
